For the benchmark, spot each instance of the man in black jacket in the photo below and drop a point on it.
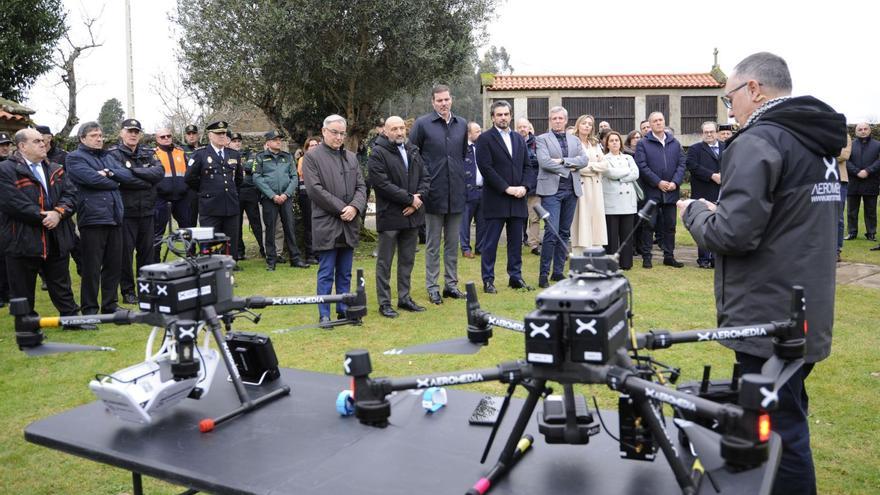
(139, 201)
(400, 180)
(54, 153)
(863, 170)
(775, 226)
(38, 203)
(5, 150)
(704, 164)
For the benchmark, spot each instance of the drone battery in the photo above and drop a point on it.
(595, 337)
(543, 338)
(254, 356)
(172, 288)
(552, 424)
(636, 441)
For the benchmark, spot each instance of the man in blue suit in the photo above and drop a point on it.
(504, 163)
(704, 164)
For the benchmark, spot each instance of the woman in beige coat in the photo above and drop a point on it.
(588, 227)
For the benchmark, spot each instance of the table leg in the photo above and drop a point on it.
(137, 484)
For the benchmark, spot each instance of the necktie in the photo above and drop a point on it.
(221, 154)
(715, 151)
(40, 177)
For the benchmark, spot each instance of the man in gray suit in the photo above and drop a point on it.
(559, 154)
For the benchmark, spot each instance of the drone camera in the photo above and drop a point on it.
(552, 423)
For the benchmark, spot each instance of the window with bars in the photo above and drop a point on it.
(657, 103)
(618, 111)
(538, 114)
(695, 110)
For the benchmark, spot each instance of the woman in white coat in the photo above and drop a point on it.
(588, 227)
(618, 188)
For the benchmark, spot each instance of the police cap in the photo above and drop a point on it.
(191, 129)
(4, 138)
(132, 124)
(219, 127)
(273, 134)
(43, 129)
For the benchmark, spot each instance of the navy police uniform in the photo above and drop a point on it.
(215, 176)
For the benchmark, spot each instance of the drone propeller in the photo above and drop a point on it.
(47, 348)
(453, 346)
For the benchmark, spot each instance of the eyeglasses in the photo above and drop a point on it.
(726, 98)
(167, 136)
(336, 133)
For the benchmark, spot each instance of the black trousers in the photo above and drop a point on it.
(271, 212)
(664, 219)
(490, 247)
(853, 202)
(227, 225)
(56, 270)
(137, 235)
(4, 280)
(619, 227)
(162, 214)
(404, 242)
(249, 204)
(101, 259)
(305, 219)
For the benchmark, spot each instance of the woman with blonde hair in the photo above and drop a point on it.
(588, 227)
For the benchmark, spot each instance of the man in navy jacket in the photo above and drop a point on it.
(99, 214)
(863, 170)
(661, 170)
(504, 163)
(704, 164)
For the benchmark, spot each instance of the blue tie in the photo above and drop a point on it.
(40, 178)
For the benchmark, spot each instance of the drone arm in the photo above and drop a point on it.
(508, 372)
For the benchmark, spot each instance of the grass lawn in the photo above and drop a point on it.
(844, 394)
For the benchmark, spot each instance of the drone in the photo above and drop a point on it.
(581, 333)
(182, 300)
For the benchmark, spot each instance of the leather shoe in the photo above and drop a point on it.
(672, 262)
(270, 268)
(518, 283)
(410, 305)
(849, 237)
(312, 260)
(387, 311)
(434, 297)
(556, 277)
(871, 237)
(129, 299)
(489, 288)
(543, 283)
(646, 263)
(324, 322)
(468, 254)
(704, 264)
(875, 248)
(298, 263)
(536, 251)
(453, 293)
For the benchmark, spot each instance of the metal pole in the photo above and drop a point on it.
(129, 62)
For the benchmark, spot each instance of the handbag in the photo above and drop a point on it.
(639, 193)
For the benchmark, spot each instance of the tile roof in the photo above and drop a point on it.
(632, 81)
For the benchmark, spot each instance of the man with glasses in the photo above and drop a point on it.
(214, 172)
(139, 202)
(775, 227)
(172, 193)
(39, 202)
(338, 194)
(99, 215)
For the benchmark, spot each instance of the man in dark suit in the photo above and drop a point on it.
(400, 180)
(504, 163)
(473, 212)
(704, 164)
(214, 173)
(863, 170)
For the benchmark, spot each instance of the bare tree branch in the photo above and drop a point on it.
(66, 62)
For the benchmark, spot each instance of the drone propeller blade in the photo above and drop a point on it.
(47, 348)
(704, 442)
(309, 326)
(454, 346)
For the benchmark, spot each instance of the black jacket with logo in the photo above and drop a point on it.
(776, 222)
(138, 195)
(22, 232)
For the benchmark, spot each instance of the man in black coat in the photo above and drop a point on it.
(704, 164)
(442, 141)
(504, 163)
(38, 204)
(400, 180)
(863, 169)
(215, 172)
(5, 150)
(139, 201)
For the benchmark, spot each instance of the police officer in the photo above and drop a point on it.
(214, 173)
(190, 144)
(139, 202)
(276, 178)
(248, 198)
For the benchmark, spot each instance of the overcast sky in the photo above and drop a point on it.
(547, 37)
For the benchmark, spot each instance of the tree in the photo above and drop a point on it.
(301, 64)
(111, 116)
(65, 60)
(30, 31)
